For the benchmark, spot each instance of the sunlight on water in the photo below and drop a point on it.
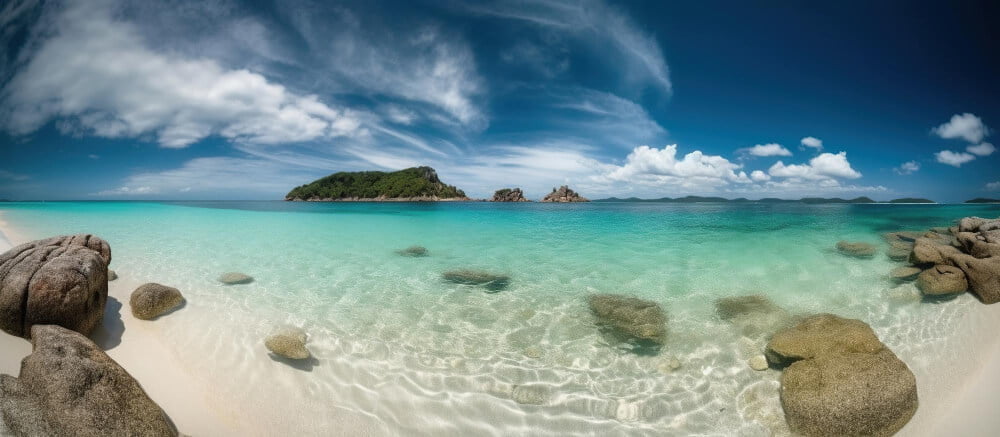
(420, 355)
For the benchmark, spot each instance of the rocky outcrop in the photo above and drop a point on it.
(69, 387)
(414, 251)
(235, 278)
(983, 275)
(927, 253)
(942, 280)
(60, 281)
(636, 318)
(152, 300)
(491, 281)
(288, 343)
(509, 195)
(841, 380)
(856, 249)
(563, 195)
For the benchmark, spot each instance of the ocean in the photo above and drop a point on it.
(399, 347)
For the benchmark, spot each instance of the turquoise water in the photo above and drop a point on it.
(414, 354)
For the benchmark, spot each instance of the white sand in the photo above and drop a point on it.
(961, 405)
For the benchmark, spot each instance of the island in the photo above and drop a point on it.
(564, 194)
(911, 200)
(509, 195)
(702, 199)
(417, 184)
(983, 200)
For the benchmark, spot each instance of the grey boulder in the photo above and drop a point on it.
(235, 278)
(636, 318)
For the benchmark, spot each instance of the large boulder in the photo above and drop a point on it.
(509, 195)
(69, 387)
(61, 281)
(856, 249)
(927, 252)
(564, 194)
(983, 275)
(152, 300)
(841, 380)
(942, 280)
(639, 319)
(978, 224)
(982, 244)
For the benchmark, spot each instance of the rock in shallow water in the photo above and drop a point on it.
(414, 251)
(492, 282)
(69, 387)
(983, 275)
(942, 280)
(637, 318)
(61, 281)
(758, 363)
(856, 249)
(754, 315)
(235, 278)
(153, 300)
(821, 334)
(905, 273)
(288, 343)
(112, 275)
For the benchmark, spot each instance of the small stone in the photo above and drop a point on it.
(492, 282)
(904, 274)
(531, 394)
(669, 365)
(235, 278)
(533, 352)
(758, 363)
(289, 343)
(856, 249)
(112, 275)
(153, 300)
(414, 251)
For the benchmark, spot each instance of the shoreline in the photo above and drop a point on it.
(960, 403)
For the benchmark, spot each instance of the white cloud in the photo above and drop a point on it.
(982, 149)
(955, 159)
(96, 74)
(824, 166)
(660, 166)
(759, 176)
(772, 149)
(908, 167)
(966, 126)
(11, 176)
(992, 186)
(813, 142)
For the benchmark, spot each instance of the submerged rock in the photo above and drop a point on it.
(59, 281)
(415, 251)
(235, 278)
(564, 194)
(491, 281)
(841, 380)
(531, 394)
(758, 363)
(288, 343)
(902, 236)
(636, 318)
(152, 300)
(941, 280)
(899, 252)
(856, 249)
(754, 315)
(904, 274)
(69, 387)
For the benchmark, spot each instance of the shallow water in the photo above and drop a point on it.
(417, 355)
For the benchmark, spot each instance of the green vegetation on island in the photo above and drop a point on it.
(417, 183)
(702, 199)
(983, 200)
(911, 200)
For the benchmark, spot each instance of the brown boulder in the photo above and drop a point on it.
(980, 245)
(983, 275)
(69, 387)
(821, 334)
(564, 194)
(926, 253)
(637, 318)
(152, 300)
(905, 273)
(941, 280)
(856, 249)
(60, 280)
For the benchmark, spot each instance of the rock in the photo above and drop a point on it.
(636, 318)
(152, 300)
(59, 281)
(235, 278)
(288, 343)
(902, 236)
(983, 275)
(941, 280)
(818, 335)
(509, 195)
(758, 363)
(492, 282)
(669, 365)
(927, 253)
(564, 194)
(531, 394)
(904, 274)
(69, 387)
(944, 230)
(841, 380)
(754, 315)
(971, 224)
(415, 251)
(856, 249)
(897, 253)
(112, 275)
(850, 394)
(979, 244)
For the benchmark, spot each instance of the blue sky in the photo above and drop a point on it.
(243, 100)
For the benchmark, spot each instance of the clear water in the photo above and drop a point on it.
(412, 354)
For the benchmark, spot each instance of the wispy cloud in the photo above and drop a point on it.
(906, 168)
(812, 142)
(954, 159)
(11, 176)
(772, 149)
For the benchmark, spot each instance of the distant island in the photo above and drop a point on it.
(417, 184)
(911, 200)
(808, 200)
(983, 200)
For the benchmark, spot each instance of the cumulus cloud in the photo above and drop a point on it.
(812, 142)
(954, 159)
(966, 126)
(824, 166)
(908, 167)
(661, 166)
(982, 149)
(95, 75)
(759, 176)
(772, 149)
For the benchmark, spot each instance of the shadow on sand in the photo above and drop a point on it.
(305, 365)
(109, 334)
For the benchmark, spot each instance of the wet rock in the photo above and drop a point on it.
(856, 249)
(753, 315)
(927, 253)
(758, 363)
(983, 275)
(981, 244)
(564, 194)
(112, 275)
(941, 230)
(152, 300)
(904, 274)
(235, 278)
(531, 394)
(841, 380)
(69, 387)
(902, 236)
(414, 251)
(492, 282)
(60, 281)
(941, 280)
(509, 195)
(976, 224)
(636, 318)
(898, 253)
(288, 343)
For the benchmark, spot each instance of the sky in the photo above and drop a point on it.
(228, 99)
